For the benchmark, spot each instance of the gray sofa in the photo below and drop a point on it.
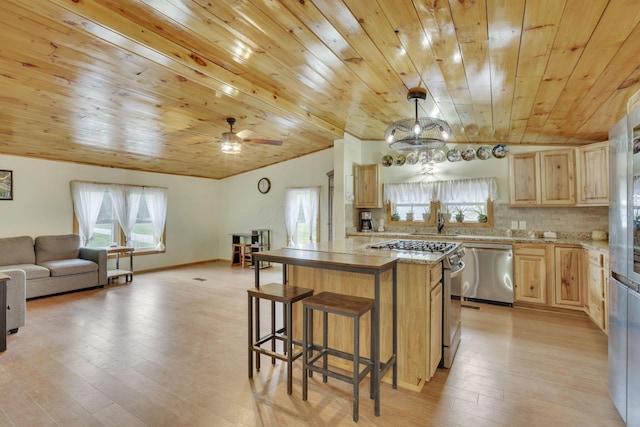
(54, 264)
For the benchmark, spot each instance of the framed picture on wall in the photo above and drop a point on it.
(6, 185)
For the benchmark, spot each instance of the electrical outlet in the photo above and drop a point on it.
(523, 225)
(514, 225)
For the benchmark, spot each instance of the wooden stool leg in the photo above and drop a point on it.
(325, 342)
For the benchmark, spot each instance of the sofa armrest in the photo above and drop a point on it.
(16, 298)
(99, 256)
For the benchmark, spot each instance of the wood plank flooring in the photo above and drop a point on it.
(169, 349)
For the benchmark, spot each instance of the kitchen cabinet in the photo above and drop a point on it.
(524, 179)
(543, 178)
(531, 272)
(597, 288)
(367, 186)
(567, 292)
(592, 174)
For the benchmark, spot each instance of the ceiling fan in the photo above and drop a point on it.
(232, 142)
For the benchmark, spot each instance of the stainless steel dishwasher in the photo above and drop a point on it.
(488, 273)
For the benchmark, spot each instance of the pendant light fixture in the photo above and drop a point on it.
(419, 133)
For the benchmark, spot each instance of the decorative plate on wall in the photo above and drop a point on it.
(400, 159)
(468, 154)
(439, 156)
(500, 151)
(454, 155)
(483, 152)
(387, 160)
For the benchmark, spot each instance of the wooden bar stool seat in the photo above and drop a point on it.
(276, 293)
(342, 305)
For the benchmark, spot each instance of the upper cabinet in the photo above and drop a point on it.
(592, 170)
(524, 179)
(545, 178)
(367, 185)
(565, 177)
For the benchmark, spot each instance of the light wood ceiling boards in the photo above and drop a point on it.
(148, 85)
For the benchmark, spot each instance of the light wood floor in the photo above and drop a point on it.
(170, 350)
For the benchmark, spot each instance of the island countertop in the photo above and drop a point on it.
(361, 245)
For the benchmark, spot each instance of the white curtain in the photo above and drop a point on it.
(307, 199)
(409, 192)
(126, 203)
(87, 200)
(156, 199)
(475, 190)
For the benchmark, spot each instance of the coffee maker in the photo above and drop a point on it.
(366, 224)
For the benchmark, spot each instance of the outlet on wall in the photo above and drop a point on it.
(523, 225)
(514, 225)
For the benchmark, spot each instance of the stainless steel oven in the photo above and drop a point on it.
(451, 312)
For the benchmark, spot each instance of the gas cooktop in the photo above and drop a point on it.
(452, 251)
(417, 245)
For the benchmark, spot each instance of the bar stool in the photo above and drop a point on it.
(343, 305)
(287, 295)
(240, 254)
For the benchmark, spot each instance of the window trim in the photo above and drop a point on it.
(435, 207)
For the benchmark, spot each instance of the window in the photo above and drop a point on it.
(469, 201)
(125, 215)
(301, 213)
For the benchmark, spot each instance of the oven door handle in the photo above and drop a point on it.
(457, 270)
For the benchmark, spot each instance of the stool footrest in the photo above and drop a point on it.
(335, 374)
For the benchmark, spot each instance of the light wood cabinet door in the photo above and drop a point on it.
(557, 177)
(368, 189)
(598, 288)
(567, 287)
(530, 273)
(435, 353)
(592, 171)
(524, 179)
(542, 178)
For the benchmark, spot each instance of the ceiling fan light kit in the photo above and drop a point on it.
(231, 143)
(418, 133)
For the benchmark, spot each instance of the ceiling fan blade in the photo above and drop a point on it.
(264, 141)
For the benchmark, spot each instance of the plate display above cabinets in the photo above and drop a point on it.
(441, 155)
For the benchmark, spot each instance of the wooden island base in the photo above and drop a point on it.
(419, 346)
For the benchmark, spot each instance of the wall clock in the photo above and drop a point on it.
(264, 185)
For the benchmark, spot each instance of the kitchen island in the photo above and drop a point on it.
(419, 317)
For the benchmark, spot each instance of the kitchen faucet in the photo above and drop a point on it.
(440, 221)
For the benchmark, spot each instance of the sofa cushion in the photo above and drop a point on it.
(50, 248)
(32, 271)
(17, 250)
(66, 267)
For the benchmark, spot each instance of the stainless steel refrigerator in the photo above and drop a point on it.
(624, 261)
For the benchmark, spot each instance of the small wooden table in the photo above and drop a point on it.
(114, 274)
(373, 265)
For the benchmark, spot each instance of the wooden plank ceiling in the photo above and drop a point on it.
(147, 85)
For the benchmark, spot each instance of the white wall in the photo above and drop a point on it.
(42, 205)
(244, 208)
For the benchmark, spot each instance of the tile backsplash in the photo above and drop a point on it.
(567, 221)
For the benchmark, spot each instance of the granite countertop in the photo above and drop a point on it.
(600, 245)
(361, 245)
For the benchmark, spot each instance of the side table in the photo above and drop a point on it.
(117, 272)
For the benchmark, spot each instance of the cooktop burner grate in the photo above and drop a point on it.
(417, 245)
